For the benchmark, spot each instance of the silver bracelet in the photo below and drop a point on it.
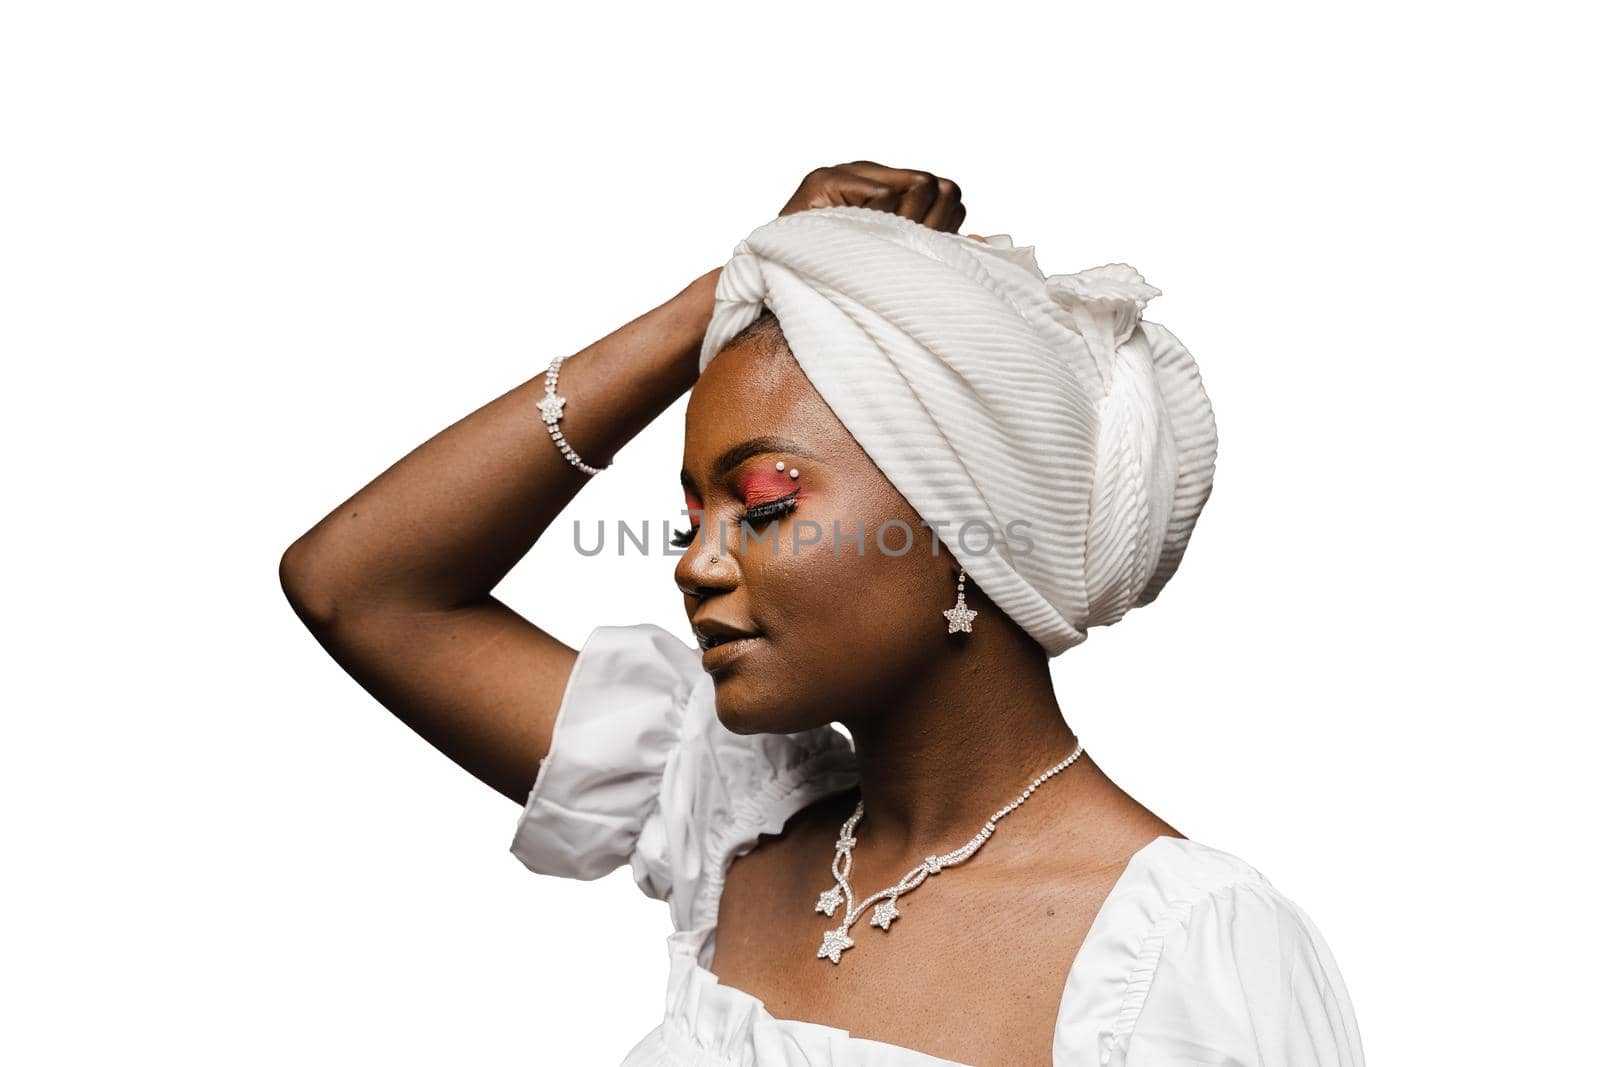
(550, 410)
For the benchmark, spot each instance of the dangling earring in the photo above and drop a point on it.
(961, 616)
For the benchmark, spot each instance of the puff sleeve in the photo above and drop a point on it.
(619, 723)
(1244, 979)
(641, 771)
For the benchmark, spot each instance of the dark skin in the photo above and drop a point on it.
(396, 585)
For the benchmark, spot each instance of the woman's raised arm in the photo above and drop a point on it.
(395, 582)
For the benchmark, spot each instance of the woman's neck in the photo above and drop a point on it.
(959, 743)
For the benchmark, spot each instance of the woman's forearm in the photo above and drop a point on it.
(444, 524)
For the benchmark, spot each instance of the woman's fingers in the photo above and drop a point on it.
(919, 190)
(837, 187)
(947, 212)
(914, 194)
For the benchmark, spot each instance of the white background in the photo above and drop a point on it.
(254, 253)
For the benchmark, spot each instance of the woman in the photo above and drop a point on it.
(916, 469)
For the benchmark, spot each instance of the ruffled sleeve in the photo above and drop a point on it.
(641, 771)
(1244, 978)
(619, 723)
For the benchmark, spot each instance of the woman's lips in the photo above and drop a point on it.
(720, 655)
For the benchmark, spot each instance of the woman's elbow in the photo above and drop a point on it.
(304, 583)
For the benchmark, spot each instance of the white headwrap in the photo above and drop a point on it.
(984, 390)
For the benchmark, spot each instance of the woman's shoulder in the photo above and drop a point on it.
(1196, 949)
(1182, 892)
(1182, 869)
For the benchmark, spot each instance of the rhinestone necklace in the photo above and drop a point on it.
(837, 940)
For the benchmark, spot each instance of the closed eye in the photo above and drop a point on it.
(771, 509)
(758, 513)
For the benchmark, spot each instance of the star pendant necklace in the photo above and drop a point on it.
(835, 941)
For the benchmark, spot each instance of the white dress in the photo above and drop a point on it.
(1194, 958)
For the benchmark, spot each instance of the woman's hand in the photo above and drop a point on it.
(916, 194)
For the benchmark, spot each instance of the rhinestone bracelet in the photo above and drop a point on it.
(550, 410)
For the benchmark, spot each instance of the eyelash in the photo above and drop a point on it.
(759, 513)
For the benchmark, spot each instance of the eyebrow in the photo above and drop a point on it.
(743, 451)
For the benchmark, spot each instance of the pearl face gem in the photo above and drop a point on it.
(794, 472)
(833, 943)
(779, 467)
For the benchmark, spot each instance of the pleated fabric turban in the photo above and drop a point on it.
(1068, 444)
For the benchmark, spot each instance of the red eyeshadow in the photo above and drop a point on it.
(692, 503)
(765, 486)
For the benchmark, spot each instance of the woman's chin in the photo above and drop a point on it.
(741, 717)
(745, 710)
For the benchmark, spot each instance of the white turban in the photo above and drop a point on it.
(984, 390)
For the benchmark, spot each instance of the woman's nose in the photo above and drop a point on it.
(705, 568)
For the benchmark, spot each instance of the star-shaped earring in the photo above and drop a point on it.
(961, 616)
(833, 943)
(829, 901)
